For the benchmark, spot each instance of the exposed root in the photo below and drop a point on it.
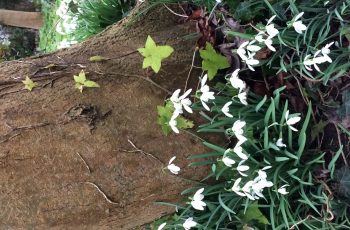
(102, 193)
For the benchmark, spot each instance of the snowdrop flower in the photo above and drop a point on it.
(251, 62)
(241, 51)
(228, 161)
(283, 190)
(259, 37)
(242, 168)
(225, 109)
(197, 200)
(189, 223)
(325, 51)
(172, 167)
(236, 82)
(268, 43)
(239, 151)
(243, 98)
(173, 122)
(253, 48)
(298, 25)
(291, 121)
(206, 94)
(161, 226)
(279, 143)
(308, 62)
(182, 101)
(236, 188)
(271, 30)
(237, 127)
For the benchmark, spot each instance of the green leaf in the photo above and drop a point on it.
(81, 82)
(164, 115)
(253, 213)
(154, 54)
(29, 84)
(212, 61)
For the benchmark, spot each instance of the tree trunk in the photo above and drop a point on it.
(93, 160)
(32, 20)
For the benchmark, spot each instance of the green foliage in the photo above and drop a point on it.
(252, 214)
(81, 82)
(212, 61)
(154, 54)
(164, 115)
(29, 84)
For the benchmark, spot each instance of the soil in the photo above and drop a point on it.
(94, 160)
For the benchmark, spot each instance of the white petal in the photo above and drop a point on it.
(299, 27)
(172, 124)
(268, 43)
(253, 48)
(271, 30)
(185, 94)
(279, 143)
(205, 106)
(271, 19)
(228, 161)
(161, 226)
(189, 223)
(175, 96)
(266, 167)
(293, 120)
(238, 125)
(298, 16)
(198, 195)
(252, 62)
(174, 169)
(172, 159)
(293, 129)
(225, 109)
(204, 80)
(239, 151)
(243, 98)
(198, 204)
(235, 73)
(243, 168)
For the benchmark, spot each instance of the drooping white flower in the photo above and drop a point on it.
(283, 190)
(243, 98)
(197, 200)
(172, 167)
(280, 143)
(291, 121)
(206, 94)
(182, 101)
(236, 82)
(173, 122)
(242, 52)
(228, 161)
(253, 48)
(237, 127)
(161, 226)
(251, 62)
(325, 51)
(242, 168)
(189, 223)
(225, 109)
(298, 24)
(239, 151)
(271, 30)
(268, 43)
(237, 188)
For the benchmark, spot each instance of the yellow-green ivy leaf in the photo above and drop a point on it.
(212, 61)
(154, 54)
(29, 84)
(81, 82)
(164, 115)
(98, 59)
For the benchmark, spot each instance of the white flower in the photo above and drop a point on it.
(268, 43)
(298, 25)
(291, 121)
(239, 151)
(325, 51)
(228, 161)
(243, 98)
(253, 48)
(241, 51)
(308, 62)
(250, 62)
(283, 190)
(225, 109)
(259, 37)
(161, 226)
(206, 94)
(172, 167)
(197, 202)
(236, 82)
(242, 168)
(182, 101)
(189, 223)
(173, 122)
(279, 143)
(236, 188)
(237, 127)
(271, 30)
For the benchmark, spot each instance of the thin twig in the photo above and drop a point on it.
(340, 144)
(101, 192)
(138, 150)
(189, 72)
(86, 165)
(180, 15)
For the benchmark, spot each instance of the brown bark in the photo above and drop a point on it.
(65, 158)
(32, 20)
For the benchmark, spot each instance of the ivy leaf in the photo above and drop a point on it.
(81, 82)
(164, 115)
(212, 61)
(253, 213)
(154, 54)
(29, 84)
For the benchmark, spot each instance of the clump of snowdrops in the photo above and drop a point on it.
(266, 175)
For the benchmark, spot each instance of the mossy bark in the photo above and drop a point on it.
(93, 160)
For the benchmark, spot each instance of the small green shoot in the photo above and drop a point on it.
(81, 82)
(29, 84)
(154, 54)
